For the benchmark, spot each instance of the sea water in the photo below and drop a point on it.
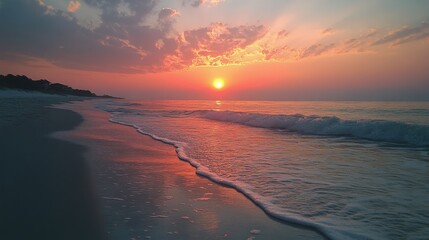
(353, 170)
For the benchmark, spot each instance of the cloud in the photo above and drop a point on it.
(328, 31)
(123, 12)
(115, 46)
(125, 42)
(166, 18)
(48, 8)
(198, 3)
(121, 43)
(218, 43)
(277, 48)
(73, 6)
(282, 34)
(166, 14)
(357, 44)
(317, 49)
(404, 35)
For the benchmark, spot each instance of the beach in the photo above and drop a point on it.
(214, 119)
(146, 192)
(46, 192)
(74, 168)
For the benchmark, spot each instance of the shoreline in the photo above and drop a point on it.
(138, 157)
(226, 183)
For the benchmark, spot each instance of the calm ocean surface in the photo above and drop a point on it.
(354, 170)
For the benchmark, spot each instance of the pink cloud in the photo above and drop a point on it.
(217, 43)
(73, 6)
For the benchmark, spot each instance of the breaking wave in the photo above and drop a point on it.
(377, 130)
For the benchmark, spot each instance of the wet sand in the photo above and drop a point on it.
(45, 188)
(146, 192)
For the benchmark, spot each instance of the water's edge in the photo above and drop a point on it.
(267, 209)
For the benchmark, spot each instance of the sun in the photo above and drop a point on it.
(218, 83)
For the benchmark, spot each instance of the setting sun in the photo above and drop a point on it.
(313, 117)
(218, 83)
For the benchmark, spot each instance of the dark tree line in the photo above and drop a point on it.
(21, 82)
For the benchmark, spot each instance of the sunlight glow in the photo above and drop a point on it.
(218, 83)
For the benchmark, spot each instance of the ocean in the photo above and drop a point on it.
(352, 170)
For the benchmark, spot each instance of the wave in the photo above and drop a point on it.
(377, 130)
(264, 203)
(314, 123)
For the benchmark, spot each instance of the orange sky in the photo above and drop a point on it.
(272, 51)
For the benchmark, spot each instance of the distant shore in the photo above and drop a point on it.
(23, 83)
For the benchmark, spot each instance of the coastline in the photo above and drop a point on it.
(45, 183)
(147, 192)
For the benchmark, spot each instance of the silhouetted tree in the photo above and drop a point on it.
(22, 82)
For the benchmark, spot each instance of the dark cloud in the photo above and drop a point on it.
(166, 14)
(138, 11)
(28, 29)
(120, 44)
(166, 18)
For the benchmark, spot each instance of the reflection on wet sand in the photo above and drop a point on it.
(147, 192)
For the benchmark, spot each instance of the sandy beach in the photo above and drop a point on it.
(214, 119)
(45, 188)
(146, 192)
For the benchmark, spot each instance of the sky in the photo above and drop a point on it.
(263, 49)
